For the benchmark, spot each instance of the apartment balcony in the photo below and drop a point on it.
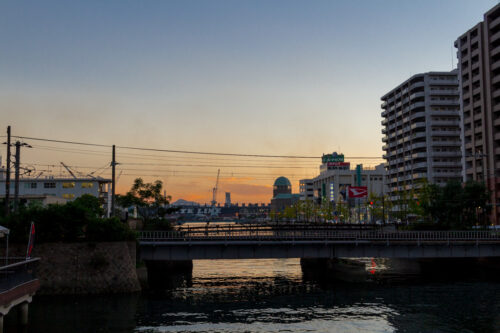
(495, 65)
(417, 105)
(445, 133)
(497, 136)
(495, 51)
(446, 123)
(418, 124)
(418, 145)
(419, 175)
(417, 94)
(494, 23)
(446, 143)
(421, 165)
(419, 114)
(496, 93)
(445, 102)
(419, 155)
(418, 135)
(444, 82)
(417, 85)
(476, 91)
(447, 153)
(497, 151)
(446, 113)
(385, 147)
(443, 92)
(384, 122)
(384, 131)
(447, 164)
(448, 173)
(466, 95)
(495, 36)
(496, 79)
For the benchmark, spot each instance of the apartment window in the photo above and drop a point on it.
(87, 185)
(68, 185)
(68, 195)
(49, 185)
(30, 185)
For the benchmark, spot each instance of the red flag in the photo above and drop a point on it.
(31, 241)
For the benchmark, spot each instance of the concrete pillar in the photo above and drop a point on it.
(23, 313)
(167, 274)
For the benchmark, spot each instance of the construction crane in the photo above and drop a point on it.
(214, 194)
(69, 170)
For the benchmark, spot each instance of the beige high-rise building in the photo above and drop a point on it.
(421, 120)
(478, 52)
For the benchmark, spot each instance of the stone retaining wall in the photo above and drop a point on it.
(84, 268)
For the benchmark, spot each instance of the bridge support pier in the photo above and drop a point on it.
(166, 274)
(23, 314)
(326, 270)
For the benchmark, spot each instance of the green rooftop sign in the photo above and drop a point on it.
(332, 158)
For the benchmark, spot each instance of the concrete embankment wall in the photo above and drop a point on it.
(83, 268)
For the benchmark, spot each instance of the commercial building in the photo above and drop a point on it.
(421, 127)
(306, 189)
(478, 52)
(336, 176)
(58, 190)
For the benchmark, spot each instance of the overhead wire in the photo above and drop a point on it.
(182, 151)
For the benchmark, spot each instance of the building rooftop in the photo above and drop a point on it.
(282, 181)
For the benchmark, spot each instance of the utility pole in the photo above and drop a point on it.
(16, 188)
(7, 175)
(113, 182)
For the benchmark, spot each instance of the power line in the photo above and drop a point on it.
(181, 151)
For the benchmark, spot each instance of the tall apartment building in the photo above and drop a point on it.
(422, 132)
(478, 52)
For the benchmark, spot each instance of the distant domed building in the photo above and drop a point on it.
(282, 195)
(282, 186)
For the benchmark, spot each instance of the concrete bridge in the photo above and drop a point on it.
(259, 242)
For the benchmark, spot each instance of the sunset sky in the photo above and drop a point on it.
(250, 77)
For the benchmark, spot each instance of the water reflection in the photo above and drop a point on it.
(271, 296)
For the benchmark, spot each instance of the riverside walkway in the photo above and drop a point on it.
(263, 241)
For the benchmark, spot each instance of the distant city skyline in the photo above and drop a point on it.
(256, 77)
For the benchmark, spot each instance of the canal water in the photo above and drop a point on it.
(272, 296)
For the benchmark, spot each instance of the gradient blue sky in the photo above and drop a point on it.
(276, 77)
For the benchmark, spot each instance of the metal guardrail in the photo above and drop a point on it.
(18, 272)
(263, 234)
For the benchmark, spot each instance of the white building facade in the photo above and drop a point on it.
(422, 132)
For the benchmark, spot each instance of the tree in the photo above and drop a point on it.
(453, 206)
(148, 197)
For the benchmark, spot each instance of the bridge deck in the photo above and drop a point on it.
(268, 242)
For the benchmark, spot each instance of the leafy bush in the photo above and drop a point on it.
(112, 229)
(157, 224)
(78, 220)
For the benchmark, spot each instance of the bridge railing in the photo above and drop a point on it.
(311, 234)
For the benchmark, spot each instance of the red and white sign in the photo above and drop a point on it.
(357, 191)
(339, 164)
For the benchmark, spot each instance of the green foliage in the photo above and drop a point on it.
(146, 194)
(453, 206)
(108, 230)
(78, 220)
(157, 224)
